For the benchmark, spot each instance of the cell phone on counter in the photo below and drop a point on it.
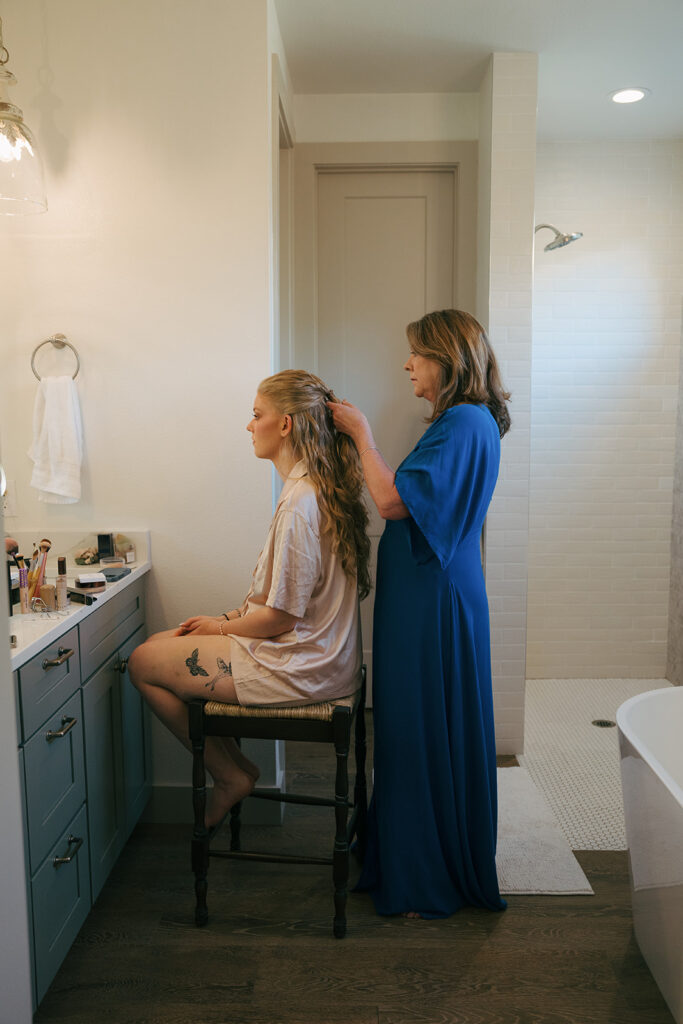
(80, 597)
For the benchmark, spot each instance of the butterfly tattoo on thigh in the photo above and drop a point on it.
(196, 669)
(193, 664)
(223, 670)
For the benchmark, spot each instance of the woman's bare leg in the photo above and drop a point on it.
(168, 671)
(235, 752)
(163, 634)
(228, 742)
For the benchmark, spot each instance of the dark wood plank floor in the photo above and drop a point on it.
(268, 956)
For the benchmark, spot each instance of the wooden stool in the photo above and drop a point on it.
(327, 722)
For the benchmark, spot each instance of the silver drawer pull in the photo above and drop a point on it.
(70, 854)
(122, 665)
(63, 655)
(67, 726)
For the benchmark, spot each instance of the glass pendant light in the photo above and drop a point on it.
(22, 189)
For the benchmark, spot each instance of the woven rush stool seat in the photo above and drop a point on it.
(310, 712)
(325, 722)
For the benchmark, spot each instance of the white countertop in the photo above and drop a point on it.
(38, 629)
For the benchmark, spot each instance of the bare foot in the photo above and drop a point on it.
(412, 915)
(226, 793)
(243, 762)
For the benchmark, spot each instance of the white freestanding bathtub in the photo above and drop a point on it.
(651, 747)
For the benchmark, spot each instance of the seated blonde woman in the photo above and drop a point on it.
(296, 638)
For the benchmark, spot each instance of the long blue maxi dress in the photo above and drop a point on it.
(433, 814)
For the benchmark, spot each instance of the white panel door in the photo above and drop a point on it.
(385, 254)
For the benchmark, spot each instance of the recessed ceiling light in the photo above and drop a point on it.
(629, 95)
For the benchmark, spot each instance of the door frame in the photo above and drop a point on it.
(314, 159)
(282, 263)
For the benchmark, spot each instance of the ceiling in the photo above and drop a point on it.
(586, 50)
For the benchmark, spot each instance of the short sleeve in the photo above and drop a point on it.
(447, 481)
(296, 563)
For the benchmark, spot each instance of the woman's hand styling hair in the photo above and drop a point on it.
(350, 420)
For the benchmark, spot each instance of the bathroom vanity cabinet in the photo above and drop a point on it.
(85, 765)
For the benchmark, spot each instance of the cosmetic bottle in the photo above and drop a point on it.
(61, 583)
(9, 586)
(23, 591)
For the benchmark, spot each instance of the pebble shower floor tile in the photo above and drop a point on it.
(576, 764)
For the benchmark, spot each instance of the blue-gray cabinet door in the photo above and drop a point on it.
(29, 894)
(103, 632)
(137, 747)
(55, 778)
(61, 900)
(104, 771)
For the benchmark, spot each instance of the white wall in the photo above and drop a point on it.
(387, 117)
(674, 652)
(485, 137)
(276, 46)
(506, 208)
(154, 260)
(607, 335)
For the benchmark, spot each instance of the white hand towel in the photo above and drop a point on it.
(57, 448)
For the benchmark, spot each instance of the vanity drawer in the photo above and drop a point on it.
(47, 680)
(106, 628)
(61, 899)
(54, 768)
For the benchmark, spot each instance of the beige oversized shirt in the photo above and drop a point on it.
(320, 658)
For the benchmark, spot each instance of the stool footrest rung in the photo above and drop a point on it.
(296, 798)
(280, 858)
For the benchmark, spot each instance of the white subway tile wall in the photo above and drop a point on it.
(513, 147)
(674, 647)
(604, 397)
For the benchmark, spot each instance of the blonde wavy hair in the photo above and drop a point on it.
(469, 369)
(332, 465)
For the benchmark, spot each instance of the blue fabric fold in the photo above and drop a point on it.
(441, 483)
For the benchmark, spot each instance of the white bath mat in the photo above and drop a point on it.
(574, 763)
(533, 855)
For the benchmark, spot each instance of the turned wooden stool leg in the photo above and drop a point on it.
(235, 818)
(235, 823)
(200, 835)
(340, 857)
(360, 790)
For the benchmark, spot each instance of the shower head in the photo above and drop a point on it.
(559, 240)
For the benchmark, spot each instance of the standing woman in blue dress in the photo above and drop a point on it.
(433, 814)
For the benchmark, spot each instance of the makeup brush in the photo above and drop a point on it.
(37, 577)
(45, 546)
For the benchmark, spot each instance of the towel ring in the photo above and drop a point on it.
(59, 341)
